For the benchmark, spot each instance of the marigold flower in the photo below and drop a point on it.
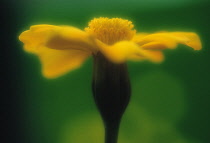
(64, 48)
(111, 42)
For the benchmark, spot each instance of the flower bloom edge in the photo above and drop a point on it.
(64, 48)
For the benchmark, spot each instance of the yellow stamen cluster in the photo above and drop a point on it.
(111, 30)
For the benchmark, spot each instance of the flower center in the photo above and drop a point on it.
(111, 30)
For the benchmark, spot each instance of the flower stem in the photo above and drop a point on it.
(111, 132)
(111, 92)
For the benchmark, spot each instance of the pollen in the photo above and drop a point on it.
(111, 30)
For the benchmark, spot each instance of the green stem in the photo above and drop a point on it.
(111, 92)
(111, 132)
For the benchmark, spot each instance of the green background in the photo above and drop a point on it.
(170, 101)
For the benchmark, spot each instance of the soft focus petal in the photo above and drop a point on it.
(125, 50)
(154, 56)
(188, 38)
(164, 40)
(138, 37)
(56, 37)
(59, 48)
(58, 62)
(157, 45)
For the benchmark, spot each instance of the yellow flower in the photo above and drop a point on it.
(64, 48)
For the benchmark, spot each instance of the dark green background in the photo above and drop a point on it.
(170, 101)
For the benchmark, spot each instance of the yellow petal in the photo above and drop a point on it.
(127, 50)
(59, 48)
(155, 56)
(156, 46)
(163, 40)
(58, 62)
(138, 37)
(188, 38)
(56, 37)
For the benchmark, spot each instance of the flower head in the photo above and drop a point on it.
(64, 48)
(112, 30)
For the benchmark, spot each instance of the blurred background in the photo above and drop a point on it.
(170, 101)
